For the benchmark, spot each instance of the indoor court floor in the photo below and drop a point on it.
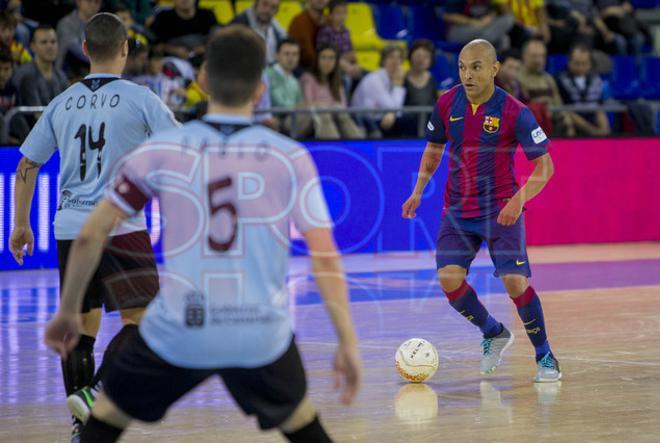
(602, 308)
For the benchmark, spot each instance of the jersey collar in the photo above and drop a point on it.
(227, 118)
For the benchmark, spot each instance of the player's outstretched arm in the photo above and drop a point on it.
(22, 236)
(330, 278)
(543, 171)
(63, 331)
(427, 167)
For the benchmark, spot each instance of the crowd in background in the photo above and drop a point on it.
(312, 64)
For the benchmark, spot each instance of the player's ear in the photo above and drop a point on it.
(84, 48)
(496, 68)
(124, 49)
(203, 78)
(261, 89)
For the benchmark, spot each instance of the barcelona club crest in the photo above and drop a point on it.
(491, 124)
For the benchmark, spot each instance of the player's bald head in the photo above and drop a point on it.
(479, 49)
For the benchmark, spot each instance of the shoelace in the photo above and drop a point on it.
(485, 343)
(547, 362)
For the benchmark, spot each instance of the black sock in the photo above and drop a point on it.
(78, 368)
(96, 431)
(312, 433)
(111, 352)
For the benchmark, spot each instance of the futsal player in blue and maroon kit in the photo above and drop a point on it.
(482, 126)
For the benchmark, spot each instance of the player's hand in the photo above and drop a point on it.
(410, 206)
(62, 333)
(510, 212)
(21, 237)
(348, 372)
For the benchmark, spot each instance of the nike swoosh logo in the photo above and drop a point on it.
(455, 119)
(529, 322)
(518, 262)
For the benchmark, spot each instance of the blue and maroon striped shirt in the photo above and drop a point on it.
(482, 144)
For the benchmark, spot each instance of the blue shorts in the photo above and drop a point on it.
(459, 240)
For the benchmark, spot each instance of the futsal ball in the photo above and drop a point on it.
(416, 360)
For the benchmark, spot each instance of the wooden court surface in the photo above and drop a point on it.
(604, 334)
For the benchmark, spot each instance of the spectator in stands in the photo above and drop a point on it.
(383, 89)
(261, 18)
(304, 28)
(530, 20)
(336, 33)
(40, 81)
(71, 31)
(285, 89)
(579, 85)
(136, 62)
(542, 91)
(507, 76)
(265, 118)
(134, 30)
(7, 94)
(472, 19)
(618, 17)
(183, 30)
(421, 86)
(569, 24)
(24, 26)
(8, 25)
(322, 87)
(140, 9)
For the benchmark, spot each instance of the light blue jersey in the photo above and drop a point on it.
(94, 123)
(227, 192)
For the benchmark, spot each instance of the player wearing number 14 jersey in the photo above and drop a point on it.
(94, 124)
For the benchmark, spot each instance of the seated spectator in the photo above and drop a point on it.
(265, 118)
(183, 30)
(261, 18)
(41, 81)
(24, 26)
(304, 28)
(578, 85)
(285, 90)
(420, 84)
(8, 25)
(570, 22)
(507, 76)
(71, 31)
(542, 91)
(619, 18)
(136, 62)
(336, 34)
(134, 30)
(322, 87)
(140, 9)
(17, 127)
(383, 89)
(530, 20)
(472, 19)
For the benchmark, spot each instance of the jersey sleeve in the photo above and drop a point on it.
(129, 189)
(41, 142)
(310, 210)
(435, 128)
(157, 115)
(530, 135)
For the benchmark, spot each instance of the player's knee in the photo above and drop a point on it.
(131, 316)
(301, 417)
(91, 322)
(515, 284)
(451, 278)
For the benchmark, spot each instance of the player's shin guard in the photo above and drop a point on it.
(110, 353)
(531, 314)
(310, 433)
(464, 300)
(96, 431)
(78, 368)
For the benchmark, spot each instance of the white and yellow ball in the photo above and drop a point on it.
(416, 360)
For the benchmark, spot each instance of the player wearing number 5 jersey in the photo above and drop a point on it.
(94, 124)
(228, 191)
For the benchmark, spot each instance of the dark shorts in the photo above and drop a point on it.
(460, 239)
(144, 386)
(126, 277)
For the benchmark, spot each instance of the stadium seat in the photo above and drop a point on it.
(360, 22)
(368, 60)
(625, 82)
(445, 70)
(424, 22)
(288, 10)
(222, 9)
(390, 22)
(650, 70)
(242, 5)
(556, 63)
